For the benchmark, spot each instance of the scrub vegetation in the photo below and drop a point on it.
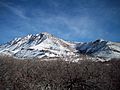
(58, 74)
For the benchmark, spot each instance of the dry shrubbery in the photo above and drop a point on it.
(58, 75)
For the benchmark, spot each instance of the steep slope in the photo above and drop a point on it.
(36, 46)
(100, 48)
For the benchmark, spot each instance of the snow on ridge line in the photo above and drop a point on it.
(45, 44)
(35, 44)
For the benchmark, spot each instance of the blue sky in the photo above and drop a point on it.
(73, 20)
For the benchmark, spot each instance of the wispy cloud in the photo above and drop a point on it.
(79, 27)
(17, 11)
(24, 22)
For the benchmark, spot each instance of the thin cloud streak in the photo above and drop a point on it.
(75, 20)
(80, 27)
(17, 11)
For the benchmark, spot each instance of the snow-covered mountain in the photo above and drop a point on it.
(47, 45)
(100, 48)
(37, 46)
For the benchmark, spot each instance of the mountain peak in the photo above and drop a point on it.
(34, 46)
(45, 33)
(100, 40)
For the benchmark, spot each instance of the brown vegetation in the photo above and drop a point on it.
(58, 75)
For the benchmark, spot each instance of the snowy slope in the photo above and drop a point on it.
(47, 45)
(100, 48)
(36, 46)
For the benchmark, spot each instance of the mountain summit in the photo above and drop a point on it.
(47, 45)
(37, 46)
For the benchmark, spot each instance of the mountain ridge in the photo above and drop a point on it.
(47, 45)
